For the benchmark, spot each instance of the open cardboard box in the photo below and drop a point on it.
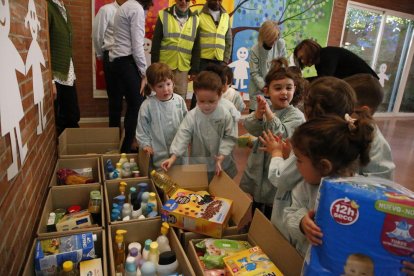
(100, 251)
(80, 141)
(263, 234)
(139, 231)
(64, 197)
(78, 163)
(112, 190)
(194, 178)
(141, 158)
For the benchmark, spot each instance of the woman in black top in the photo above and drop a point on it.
(330, 61)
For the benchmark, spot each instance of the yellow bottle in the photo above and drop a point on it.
(123, 158)
(122, 187)
(164, 182)
(68, 269)
(119, 251)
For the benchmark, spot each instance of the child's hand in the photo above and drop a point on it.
(148, 150)
(272, 144)
(312, 232)
(261, 107)
(219, 160)
(287, 148)
(166, 164)
(408, 267)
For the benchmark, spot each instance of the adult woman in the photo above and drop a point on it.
(330, 61)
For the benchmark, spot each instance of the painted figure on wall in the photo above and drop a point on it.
(34, 60)
(11, 108)
(382, 76)
(241, 67)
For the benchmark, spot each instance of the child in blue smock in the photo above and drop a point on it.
(209, 128)
(280, 118)
(160, 114)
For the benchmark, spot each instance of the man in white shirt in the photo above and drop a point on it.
(129, 63)
(103, 41)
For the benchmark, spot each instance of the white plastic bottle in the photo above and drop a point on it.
(146, 249)
(162, 240)
(123, 158)
(126, 210)
(167, 264)
(130, 268)
(154, 254)
(137, 246)
(148, 269)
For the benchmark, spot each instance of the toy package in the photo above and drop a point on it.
(367, 225)
(197, 212)
(251, 262)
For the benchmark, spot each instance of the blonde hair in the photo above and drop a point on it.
(268, 30)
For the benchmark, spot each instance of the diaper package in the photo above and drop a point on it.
(367, 225)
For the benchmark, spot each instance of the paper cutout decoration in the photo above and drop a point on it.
(11, 108)
(34, 60)
(241, 66)
(382, 76)
(147, 50)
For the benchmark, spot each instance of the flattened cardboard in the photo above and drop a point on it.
(141, 158)
(112, 190)
(263, 234)
(81, 141)
(100, 249)
(78, 163)
(141, 230)
(64, 197)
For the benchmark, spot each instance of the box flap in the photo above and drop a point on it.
(278, 249)
(90, 135)
(143, 162)
(223, 186)
(191, 177)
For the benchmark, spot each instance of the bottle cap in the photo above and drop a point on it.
(142, 185)
(68, 266)
(132, 189)
(123, 155)
(164, 228)
(136, 245)
(94, 237)
(133, 251)
(154, 246)
(95, 195)
(122, 186)
(147, 244)
(118, 165)
(152, 196)
(167, 257)
(119, 237)
(153, 172)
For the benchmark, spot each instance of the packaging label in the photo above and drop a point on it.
(344, 211)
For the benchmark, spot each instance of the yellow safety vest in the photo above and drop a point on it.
(177, 44)
(212, 38)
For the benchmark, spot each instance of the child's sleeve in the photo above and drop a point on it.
(239, 103)
(254, 126)
(283, 174)
(229, 139)
(183, 136)
(293, 215)
(286, 127)
(143, 132)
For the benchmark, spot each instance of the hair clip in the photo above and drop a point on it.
(350, 121)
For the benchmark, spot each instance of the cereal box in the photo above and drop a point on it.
(367, 225)
(197, 211)
(251, 262)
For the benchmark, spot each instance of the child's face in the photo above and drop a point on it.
(358, 268)
(307, 169)
(280, 92)
(207, 100)
(164, 90)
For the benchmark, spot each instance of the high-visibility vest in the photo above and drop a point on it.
(212, 38)
(177, 44)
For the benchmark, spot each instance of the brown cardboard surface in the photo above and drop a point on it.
(112, 190)
(100, 249)
(63, 197)
(79, 141)
(190, 177)
(78, 163)
(139, 231)
(266, 236)
(141, 158)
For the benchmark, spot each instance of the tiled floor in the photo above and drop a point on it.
(399, 132)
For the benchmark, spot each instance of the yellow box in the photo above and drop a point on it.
(251, 262)
(198, 212)
(91, 267)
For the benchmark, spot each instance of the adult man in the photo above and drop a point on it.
(103, 41)
(173, 42)
(60, 33)
(129, 64)
(215, 36)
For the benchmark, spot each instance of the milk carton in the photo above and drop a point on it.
(367, 225)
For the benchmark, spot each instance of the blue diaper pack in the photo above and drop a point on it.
(368, 227)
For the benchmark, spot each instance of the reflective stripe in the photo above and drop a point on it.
(212, 35)
(182, 50)
(175, 35)
(208, 46)
(165, 23)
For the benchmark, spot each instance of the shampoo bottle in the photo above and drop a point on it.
(154, 254)
(130, 267)
(162, 240)
(123, 158)
(119, 251)
(148, 269)
(167, 264)
(146, 249)
(122, 187)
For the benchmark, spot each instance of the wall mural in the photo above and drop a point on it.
(297, 20)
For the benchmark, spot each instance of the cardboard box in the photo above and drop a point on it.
(194, 178)
(139, 231)
(80, 141)
(100, 250)
(64, 197)
(197, 212)
(141, 158)
(78, 163)
(263, 234)
(112, 190)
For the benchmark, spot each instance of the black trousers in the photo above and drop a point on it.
(203, 65)
(114, 98)
(67, 112)
(128, 83)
